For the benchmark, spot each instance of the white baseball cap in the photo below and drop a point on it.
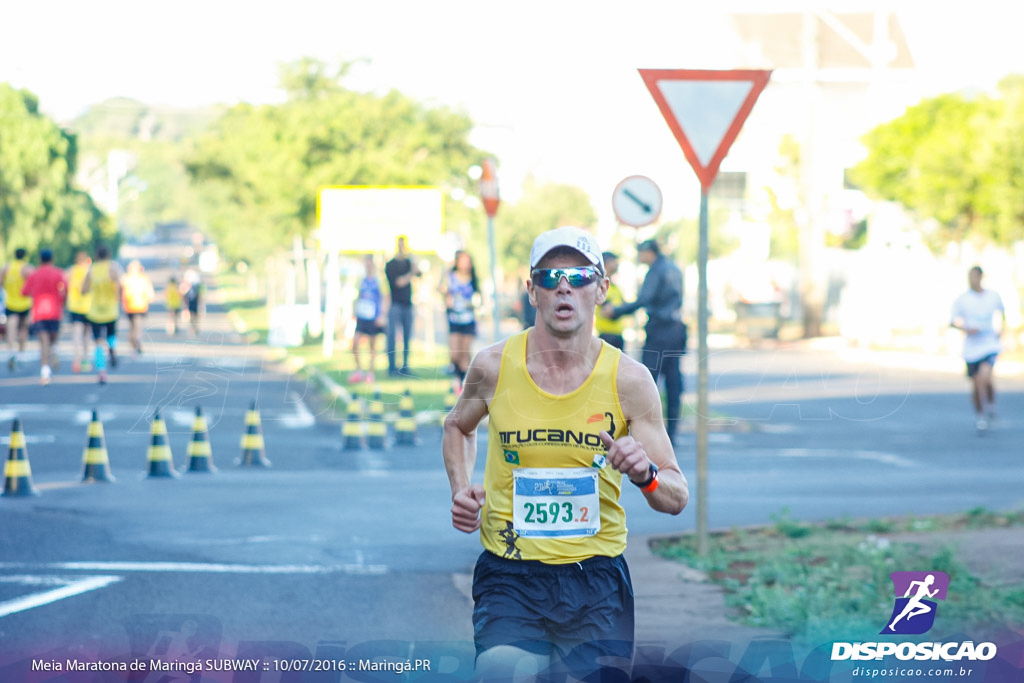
(566, 236)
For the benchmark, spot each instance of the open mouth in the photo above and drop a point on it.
(564, 308)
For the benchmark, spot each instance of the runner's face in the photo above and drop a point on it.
(566, 309)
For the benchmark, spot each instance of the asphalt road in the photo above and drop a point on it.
(335, 554)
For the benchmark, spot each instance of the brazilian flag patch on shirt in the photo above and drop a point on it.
(512, 457)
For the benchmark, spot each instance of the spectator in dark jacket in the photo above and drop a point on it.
(661, 295)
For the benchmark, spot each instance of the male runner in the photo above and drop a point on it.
(571, 419)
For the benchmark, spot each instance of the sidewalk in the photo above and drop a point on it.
(676, 604)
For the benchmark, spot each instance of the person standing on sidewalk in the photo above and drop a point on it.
(48, 288)
(459, 291)
(975, 313)
(400, 273)
(661, 295)
(78, 308)
(17, 305)
(136, 294)
(369, 313)
(103, 282)
(571, 419)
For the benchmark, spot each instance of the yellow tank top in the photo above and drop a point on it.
(14, 280)
(604, 325)
(104, 306)
(173, 296)
(78, 302)
(550, 495)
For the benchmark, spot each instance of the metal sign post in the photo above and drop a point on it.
(490, 198)
(705, 111)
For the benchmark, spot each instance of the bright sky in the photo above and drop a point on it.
(552, 83)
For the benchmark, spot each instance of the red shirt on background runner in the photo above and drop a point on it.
(48, 287)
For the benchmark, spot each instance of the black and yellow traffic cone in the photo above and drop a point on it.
(200, 457)
(252, 440)
(18, 481)
(405, 426)
(159, 457)
(352, 428)
(95, 460)
(376, 429)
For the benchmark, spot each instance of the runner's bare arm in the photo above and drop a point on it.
(647, 441)
(459, 438)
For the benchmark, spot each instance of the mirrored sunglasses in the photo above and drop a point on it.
(581, 276)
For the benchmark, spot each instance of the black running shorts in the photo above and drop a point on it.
(576, 612)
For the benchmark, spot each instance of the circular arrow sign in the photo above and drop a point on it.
(636, 201)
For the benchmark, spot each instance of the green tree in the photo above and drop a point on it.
(156, 189)
(258, 169)
(1001, 158)
(38, 204)
(542, 207)
(931, 160)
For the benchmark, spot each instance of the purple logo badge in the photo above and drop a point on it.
(916, 593)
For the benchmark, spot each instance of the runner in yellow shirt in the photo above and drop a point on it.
(571, 419)
(608, 329)
(172, 299)
(136, 295)
(103, 281)
(78, 307)
(17, 305)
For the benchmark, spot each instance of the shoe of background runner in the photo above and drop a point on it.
(44, 374)
(103, 377)
(356, 376)
(981, 424)
(370, 378)
(113, 358)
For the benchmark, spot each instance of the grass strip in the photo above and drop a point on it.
(822, 581)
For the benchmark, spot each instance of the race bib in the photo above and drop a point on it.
(460, 317)
(556, 502)
(366, 309)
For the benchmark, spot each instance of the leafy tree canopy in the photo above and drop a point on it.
(954, 159)
(156, 188)
(258, 169)
(38, 204)
(542, 207)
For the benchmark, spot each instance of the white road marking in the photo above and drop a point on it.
(66, 588)
(302, 417)
(298, 415)
(69, 587)
(31, 438)
(203, 567)
(834, 453)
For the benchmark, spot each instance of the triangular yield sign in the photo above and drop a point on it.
(705, 111)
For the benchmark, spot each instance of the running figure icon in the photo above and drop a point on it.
(914, 606)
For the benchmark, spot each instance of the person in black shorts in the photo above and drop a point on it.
(570, 420)
(369, 314)
(460, 289)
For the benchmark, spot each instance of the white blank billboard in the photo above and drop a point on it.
(367, 219)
